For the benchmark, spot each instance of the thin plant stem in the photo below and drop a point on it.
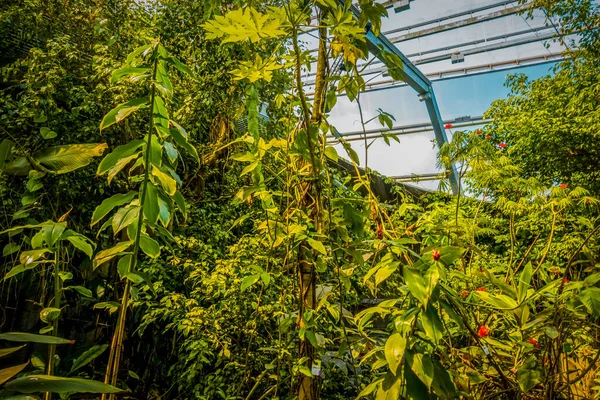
(112, 370)
(57, 301)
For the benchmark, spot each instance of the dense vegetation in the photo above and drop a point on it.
(162, 238)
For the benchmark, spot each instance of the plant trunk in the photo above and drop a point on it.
(308, 388)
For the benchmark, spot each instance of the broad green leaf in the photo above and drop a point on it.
(47, 133)
(166, 181)
(416, 285)
(7, 373)
(370, 388)
(422, 366)
(385, 272)
(56, 384)
(415, 388)
(170, 151)
(394, 351)
(82, 243)
(250, 167)
(142, 50)
(120, 164)
(351, 153)
(164, 207)
(524, 281)
(249, 281)
(10, 350)
(180, 201)
(160, 108)
(590, 297)
(317, 245)
(500, 301)
(134, 277)
(10, 248)
(65, 276)
(6, 148)
(179, 135)
(106, 255)
(149, 246)
(33, 338)
(390, 387)
(49, 314)
(108, 204)
(124, 217)
(442, 384)
(432, 325)
(20, 268)
(551, 332)
(181, 67)
(118, 153)
(88, 356)
(52, 231)
(163, 84)
(394, 65)
(30, 256)
(331, 153)
(529, 376)
(81, 290)
(266, 278)
(131, 72)
(123, 265)
(121, 111)
(151, 209)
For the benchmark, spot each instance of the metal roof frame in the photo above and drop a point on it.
(418, 81)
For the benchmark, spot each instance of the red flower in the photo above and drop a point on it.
(464, 293)
(483, 331)
(481, 289)
(503, 145)
(435, 254)
(565, 280)
(488, 137)
(563, 186)
(478, 132)
(448, 126)
(534, 343)
(380, 232)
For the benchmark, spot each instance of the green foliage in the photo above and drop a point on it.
(246, 263)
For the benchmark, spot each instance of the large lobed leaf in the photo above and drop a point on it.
(56, 159)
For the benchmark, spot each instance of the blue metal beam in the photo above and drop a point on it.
(418, 81)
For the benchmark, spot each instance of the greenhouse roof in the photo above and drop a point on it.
(465, 48)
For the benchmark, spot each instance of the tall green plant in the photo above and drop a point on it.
(145, 213)
(304, 221)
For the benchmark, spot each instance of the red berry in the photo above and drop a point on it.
(563, 186)
(488, 137)
(435, 254)
(483, 331)
(565, 280)
(448, 126)
(503, 145)
(481, 289)
(478, 132)
(464, 293)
